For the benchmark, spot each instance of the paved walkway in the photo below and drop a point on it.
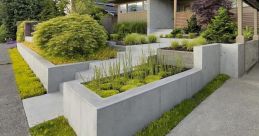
(13, 121)
(233, 110)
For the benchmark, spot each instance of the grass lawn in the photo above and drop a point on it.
(55, 127)
(102, 54)
(170, 119)
(28, 84)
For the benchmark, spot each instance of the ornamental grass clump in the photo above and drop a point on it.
(70, 36)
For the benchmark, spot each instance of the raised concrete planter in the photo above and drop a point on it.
(251, 54)
(170, 57)
(49, 74)
(126, 113)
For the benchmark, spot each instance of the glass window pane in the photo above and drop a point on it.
(145, 5)
(138, 6)
(123, 8)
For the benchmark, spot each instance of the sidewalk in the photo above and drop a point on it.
(233, 110)
(13, 121)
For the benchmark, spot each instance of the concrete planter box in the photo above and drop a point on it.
(50, 75)
(126, 113)
(170, 57)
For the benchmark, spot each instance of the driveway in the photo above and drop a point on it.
(13, 121)
(233, 110)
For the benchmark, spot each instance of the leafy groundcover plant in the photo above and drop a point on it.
(27, 82)
(170, 119)
(131, 78)
(55, 127)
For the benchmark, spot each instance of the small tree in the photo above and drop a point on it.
(192, 26)
(221, 29)
(207, 9)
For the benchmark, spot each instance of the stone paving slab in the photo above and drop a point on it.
(13, 120)
(233, 110)
(43, 108)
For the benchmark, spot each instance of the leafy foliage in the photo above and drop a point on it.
(248, 33)
(20, 10)
(56, 127)
(192, 25)
(221, 29)
(171, 118)
(70, 36)
(126, 28)
(175, 32)
(27, 82)
(152, 38)
(3, 33)
(207, 9)
(102, 54)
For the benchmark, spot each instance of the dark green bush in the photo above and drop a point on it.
(3, 33)
(192, 25)
(126, 28)
(221, 29)
(176, 31)
(70, 36)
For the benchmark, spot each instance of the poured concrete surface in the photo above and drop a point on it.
(13, 121)
(233, 110)
(43, 108)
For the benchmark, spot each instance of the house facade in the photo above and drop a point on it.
(166, 14)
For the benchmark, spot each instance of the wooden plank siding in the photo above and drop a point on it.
(140, 16)
(181, 18)
(248, 16)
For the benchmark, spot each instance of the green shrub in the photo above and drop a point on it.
(132, 39)
(162, 36)
(192, 25)
(126, 28)
(179, 36)
(221, 29)
(184, 43)
(114, 37)
(143, 39)
(152, 38)
(152, 78)
(176, 31)
(108, 93)
(168, 36)
(199, 41)
(106, 86)
(20, 32)
(70, 36)
(248, 33)
(175, 44)
(3, 33)
(192, 35)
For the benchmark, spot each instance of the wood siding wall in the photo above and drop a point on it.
(181, 19)
(140, 16)
(248, 16)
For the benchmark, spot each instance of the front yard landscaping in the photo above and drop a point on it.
(27, 82)
(55, 127)
(172, 118)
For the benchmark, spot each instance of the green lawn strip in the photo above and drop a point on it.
(56, 127)
(27, 82)
(170, 119)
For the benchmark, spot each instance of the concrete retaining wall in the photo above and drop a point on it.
(49, 74)
(126, 113)
(251, 54)
(170, 57)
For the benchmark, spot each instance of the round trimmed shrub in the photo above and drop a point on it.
(70, 36)
(20, 32)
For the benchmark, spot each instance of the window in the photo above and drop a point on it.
(123, 8)
(145, 5)
(137, 6)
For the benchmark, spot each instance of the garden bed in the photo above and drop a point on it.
(27, 82)
(141, 75)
